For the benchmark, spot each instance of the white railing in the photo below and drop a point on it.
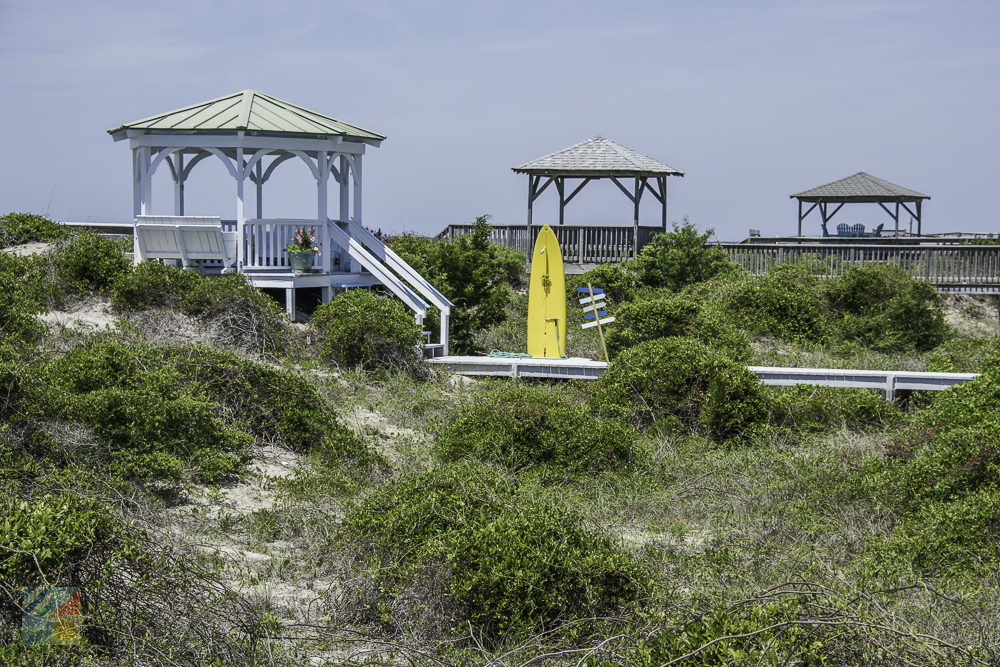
(265, 244)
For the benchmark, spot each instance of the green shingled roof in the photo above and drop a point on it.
(250, 111)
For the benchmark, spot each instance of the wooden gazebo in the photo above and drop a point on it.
(861, 188)
(595, 159)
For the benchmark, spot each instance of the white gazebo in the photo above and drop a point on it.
(252, 134)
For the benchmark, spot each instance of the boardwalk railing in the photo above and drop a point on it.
(942, 265)
(949, 265)
(580, 244)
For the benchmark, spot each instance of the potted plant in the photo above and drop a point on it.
(302, 250)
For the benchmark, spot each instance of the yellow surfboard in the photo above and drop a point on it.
(547, 298)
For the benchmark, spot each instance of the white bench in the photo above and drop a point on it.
(187, 239)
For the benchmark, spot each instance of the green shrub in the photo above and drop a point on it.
(476, 275)
(18, 228)
(941, 480)
(683, 381)
(520, 426)
(358, 328)
(152, 285)
(881, 306)
(680, 257)
(244, 316)
(786, 303)
(47, 534)
(89, 262)
(786, 627)
(955, 538)
(648, 319)
(618, 281)
(507, 561)
(20, 302)
(963, 355)
(271, 402)
(806, 408)
(155, 434)
(158, 412)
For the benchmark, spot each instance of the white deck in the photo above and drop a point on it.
(573, 368)
(888, 381)
(586, 369)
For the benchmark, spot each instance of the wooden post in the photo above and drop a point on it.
(531, 200)
(560, 186)
(919, 216)
(597, 318)
(635, 217)
(663, 193)
(800, 217)
(896, 218)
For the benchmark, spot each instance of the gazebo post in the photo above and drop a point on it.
(322, 178)
(919, 231)
(635, 216)
(357, 189)
(663, 194)
(240, 212)
(345, 191)
(532, 180)
(896, 218)
(560, 187)
(260, 188)
(800, 217)
(179, 183)
(146, 203)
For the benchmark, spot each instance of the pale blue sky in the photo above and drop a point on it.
(754, 100)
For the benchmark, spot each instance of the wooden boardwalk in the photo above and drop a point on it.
(888, 382)
(952, 266)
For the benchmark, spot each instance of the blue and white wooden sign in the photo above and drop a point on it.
(592, 304)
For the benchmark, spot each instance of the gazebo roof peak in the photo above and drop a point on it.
(249, 111)
(595, 157)
(859, 187)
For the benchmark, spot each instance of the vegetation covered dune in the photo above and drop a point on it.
(225, 487)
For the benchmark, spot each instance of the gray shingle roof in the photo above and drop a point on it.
(594, 157)
(860, 187)
(251, 111)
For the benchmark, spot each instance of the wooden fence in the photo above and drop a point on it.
(949, 265)
(939, 264)
(580, 244)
